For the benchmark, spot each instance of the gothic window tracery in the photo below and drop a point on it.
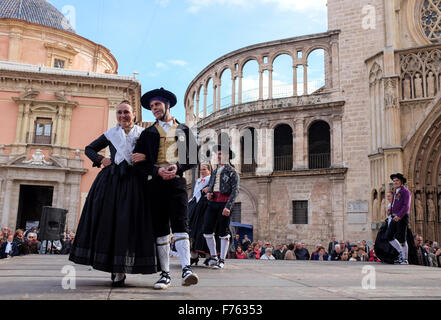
(431, 20)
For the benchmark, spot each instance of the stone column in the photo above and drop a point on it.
(233, 91)
(60, 201)
(265, 149)
(300, 152)
(240, 89)
(15, 44)
(19, 129)
(294, 81)
(7, 205)
(197, 107)
(236, 147)
(270, 84)
(59, 132)
(219, 96)
(25, 126)
(260, 84)
(205, 101)
(337, 142)
(305, 79)
(214, 98)
(392, 113)
(335, 74)
(263, 205)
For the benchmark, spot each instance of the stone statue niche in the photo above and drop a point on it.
(418, 81)
(375, 215)
(419, 209)
(430, 208)
(439, 207)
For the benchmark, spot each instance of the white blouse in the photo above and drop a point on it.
(201, 183)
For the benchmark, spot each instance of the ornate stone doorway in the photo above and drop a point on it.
(32, 199)
(425, 174)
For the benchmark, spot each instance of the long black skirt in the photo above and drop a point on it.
(383, 249)
(196, 217)
(115, 230)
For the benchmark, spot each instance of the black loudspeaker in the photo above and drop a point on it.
(52, 223)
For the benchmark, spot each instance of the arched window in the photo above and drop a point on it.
(282, 77)
(283, 155)
(316, 70)
(319, 145)
(248, 148)
(250, 81)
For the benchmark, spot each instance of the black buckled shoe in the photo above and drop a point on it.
(194, 261)
(118, 284)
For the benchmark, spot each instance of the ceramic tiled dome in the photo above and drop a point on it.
(34, 11)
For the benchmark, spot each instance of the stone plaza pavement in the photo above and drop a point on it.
(38, 277)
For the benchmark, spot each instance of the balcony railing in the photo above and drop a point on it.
(32, 138)
(319, 161)
(283, 163)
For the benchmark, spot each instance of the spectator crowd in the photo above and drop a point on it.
(427, 253)
(27, 242)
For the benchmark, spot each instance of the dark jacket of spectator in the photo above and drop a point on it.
(30, 247)
(317, 257)
(302, 254)
(335, 256)
(14, 250)
(331, 246)
(279, 255)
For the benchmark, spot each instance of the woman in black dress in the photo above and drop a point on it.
(196, 212)
(115, 231)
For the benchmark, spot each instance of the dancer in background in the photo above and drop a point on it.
(196, 212)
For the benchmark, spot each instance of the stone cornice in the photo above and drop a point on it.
(291, 104)
(299, 173)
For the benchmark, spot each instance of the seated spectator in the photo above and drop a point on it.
(265, 246)
(240, 254)
(19, 240)
(362, 254)
(31, 245)
(245, 243)
(336, 255)
(2, 239)
(354, 256)
(301, 252)
(236, 241)
(249, 252)
(268, 255)
(321, 255)
(348, 245)
(9, 248)
(345, 255)
(331, 245)
(342, 246)
(53, 247)
(438, 257)
(419, 256)
(317, 247)
(290, 255)
(67, 243)
(280, 252)
(256, 250)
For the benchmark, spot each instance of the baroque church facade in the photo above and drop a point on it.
(58, 93)
(320, 159)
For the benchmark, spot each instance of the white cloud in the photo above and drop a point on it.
(163, 3)
(283, 5)
(180, 63)
(298, 5)
(160, 65)
(196, 5)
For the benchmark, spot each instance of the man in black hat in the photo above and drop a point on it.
(396, 233)
(223, 189)
(169, 149)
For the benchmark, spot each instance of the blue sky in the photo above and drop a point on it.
(170, 41)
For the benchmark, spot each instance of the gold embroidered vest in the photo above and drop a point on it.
(168, 148)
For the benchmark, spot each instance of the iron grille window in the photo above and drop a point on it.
(300, 212)
(58, 63)
(43, 131)
(236, 213)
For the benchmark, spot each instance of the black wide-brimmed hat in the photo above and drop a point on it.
(399, 176)
(220, 147)
(162, 94)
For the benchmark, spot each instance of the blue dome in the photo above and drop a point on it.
(34, 11)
